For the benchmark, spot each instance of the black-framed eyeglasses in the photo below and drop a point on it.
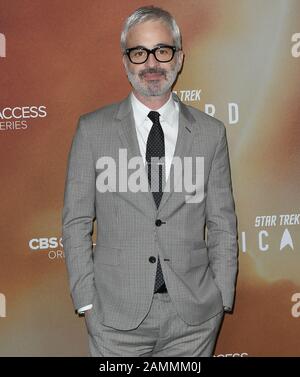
(140, 54)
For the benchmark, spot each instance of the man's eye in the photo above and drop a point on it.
(139, 53)
(163, 51)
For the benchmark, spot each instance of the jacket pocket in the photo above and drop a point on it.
(199, 257)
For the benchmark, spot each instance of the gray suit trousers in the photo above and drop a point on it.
(162, 333)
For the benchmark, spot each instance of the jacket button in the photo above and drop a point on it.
(158, 222)
(152, 259)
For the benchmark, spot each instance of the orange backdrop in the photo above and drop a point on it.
(59, 60)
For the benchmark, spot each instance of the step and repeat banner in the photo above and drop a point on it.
(61, 59)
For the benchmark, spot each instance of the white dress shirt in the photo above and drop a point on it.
(169, 120)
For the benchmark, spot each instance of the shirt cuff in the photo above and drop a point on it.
(84, 308)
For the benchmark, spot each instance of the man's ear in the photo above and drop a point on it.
(124, 61)
(181, 58)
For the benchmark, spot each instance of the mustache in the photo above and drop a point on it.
(152, 70)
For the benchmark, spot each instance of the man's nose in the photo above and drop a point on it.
(151, 61)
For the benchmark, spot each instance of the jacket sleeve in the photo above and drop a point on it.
(78, 217)
(221, 222)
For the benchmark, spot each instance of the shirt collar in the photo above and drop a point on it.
(141, 111)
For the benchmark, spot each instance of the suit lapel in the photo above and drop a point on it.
(128, 136)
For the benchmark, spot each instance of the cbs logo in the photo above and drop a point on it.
(53, 243)
(45, 243)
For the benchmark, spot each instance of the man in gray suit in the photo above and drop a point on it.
(154, 285)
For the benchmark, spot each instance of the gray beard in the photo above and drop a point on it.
(154, 88)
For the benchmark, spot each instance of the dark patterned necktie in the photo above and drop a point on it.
(156, 170)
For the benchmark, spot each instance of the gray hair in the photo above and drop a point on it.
(151, 13)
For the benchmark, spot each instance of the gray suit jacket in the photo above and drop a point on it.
(117, 275)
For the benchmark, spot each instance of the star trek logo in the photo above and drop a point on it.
(273, 226)
(195, 95)
(2, 46)
(286, 240)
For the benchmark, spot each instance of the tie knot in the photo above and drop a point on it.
(154, 116)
